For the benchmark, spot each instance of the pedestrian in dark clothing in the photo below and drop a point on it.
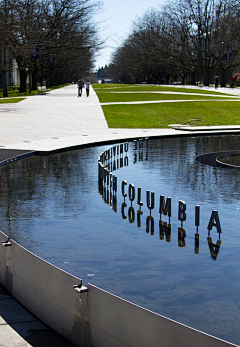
(80, 86)
(231, 80)
(216, 82)
(87, 84)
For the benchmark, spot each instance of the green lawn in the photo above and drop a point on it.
(122, 97)
(213, 111)
(105, 88)
(11, 101)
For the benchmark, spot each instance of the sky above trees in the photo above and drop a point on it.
(116, 21)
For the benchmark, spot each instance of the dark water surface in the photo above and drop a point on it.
(52, 206)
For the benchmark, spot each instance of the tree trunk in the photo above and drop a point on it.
(223, 80)
(206, 79)
(23, 78)
(34, 78)
(4, 73)
(4, 84)
(193, 78)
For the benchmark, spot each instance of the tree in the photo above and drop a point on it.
(62, 31)
(187, 38)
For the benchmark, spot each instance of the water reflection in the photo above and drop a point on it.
(150, 223)
(59, 208)
(214, 247)
(107, 187)
(181, 237)
(165, 230)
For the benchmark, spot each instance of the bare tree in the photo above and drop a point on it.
(45, 35)
(186, 37)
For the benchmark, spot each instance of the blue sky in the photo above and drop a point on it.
(116, 23)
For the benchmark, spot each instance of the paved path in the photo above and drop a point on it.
(19, 328)
(49, 122)
(60, 119)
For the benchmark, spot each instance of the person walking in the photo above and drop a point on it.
(216, 82)
(231, 80)
(87, 84)
(80, 86)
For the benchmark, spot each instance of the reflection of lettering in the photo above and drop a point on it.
(150, 200)
(214, 248)
(135, 145)
(121, 149)
(131, 214)
(165, 229)
(114, 183)
(139, 214)
(196, 246)
(108, 187)
(123, 211)
(150, 221)
(106, 195)
(114, 204)
(138, 144)
(181, 237)
(113, 201)
(100, 189)
(214, 222)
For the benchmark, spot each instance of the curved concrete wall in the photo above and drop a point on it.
(45, 291)
(87, 317)
(210, 158)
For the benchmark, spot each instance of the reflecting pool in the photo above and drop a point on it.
(55, 207)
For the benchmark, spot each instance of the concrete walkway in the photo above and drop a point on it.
(61, 120)
(20, 328)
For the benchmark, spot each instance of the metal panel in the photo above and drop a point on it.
(45, 291)
(48, 293)
(5, 262)
(118, 323)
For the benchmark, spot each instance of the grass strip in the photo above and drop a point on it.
(199, 111)
(162, 114)
(120, 97)
(11, 101)
(150, 88)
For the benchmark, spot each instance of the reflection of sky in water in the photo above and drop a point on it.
(51, 205)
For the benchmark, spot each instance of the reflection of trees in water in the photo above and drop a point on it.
(41, 187)
(173, 160)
